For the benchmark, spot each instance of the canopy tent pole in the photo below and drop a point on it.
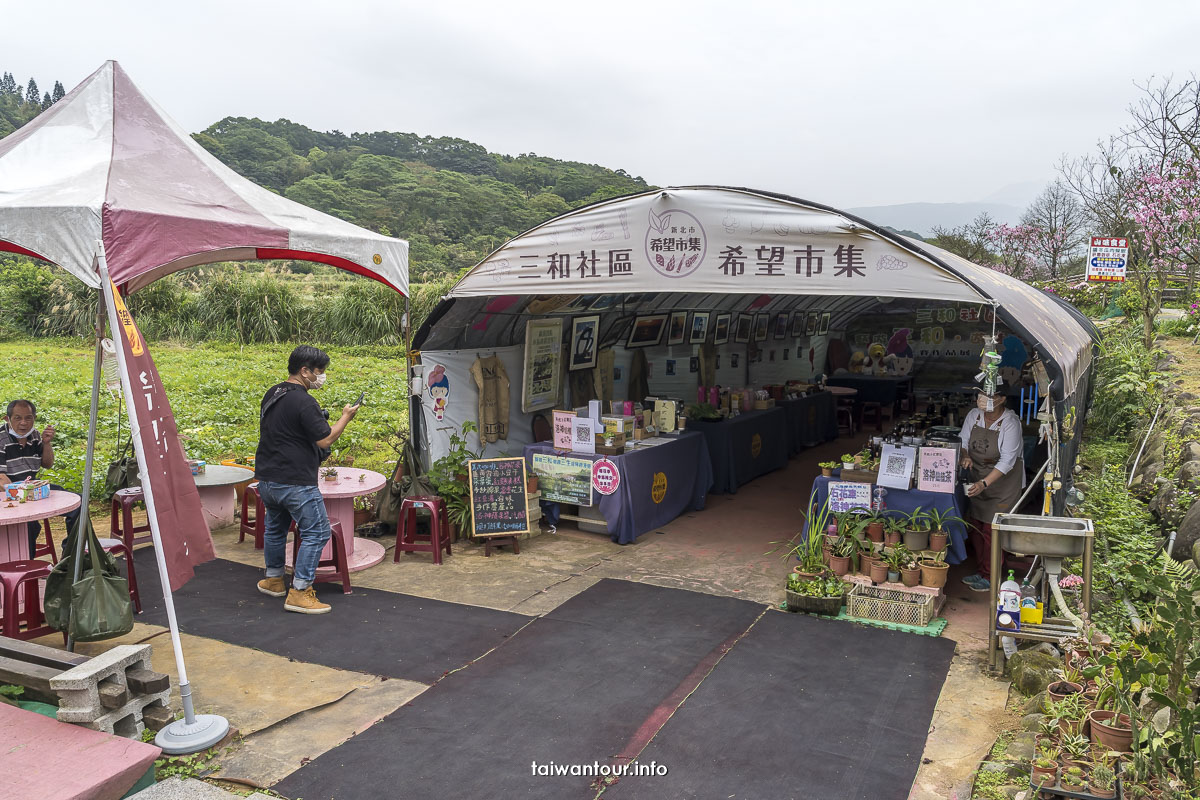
(194, 732)
(86, 493)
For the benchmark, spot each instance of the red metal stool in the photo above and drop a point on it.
(13, 576)
(119, 548)
(339, 561)
(252, 524)
(409, 540)
(121, 520)
(845, 418)
(46, 549)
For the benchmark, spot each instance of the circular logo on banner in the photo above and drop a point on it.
(675, 243)
(605, 477)
(658, 490)
(756, 445)
(378, 259)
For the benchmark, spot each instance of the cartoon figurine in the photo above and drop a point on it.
(899, 347)
(874, 364)
(856, 362)
(439, 390)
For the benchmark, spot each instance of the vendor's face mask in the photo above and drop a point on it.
(985, 403)
(317, 382)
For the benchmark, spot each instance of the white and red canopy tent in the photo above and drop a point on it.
(106, 165)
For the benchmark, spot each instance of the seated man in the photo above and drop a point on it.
(23, 452)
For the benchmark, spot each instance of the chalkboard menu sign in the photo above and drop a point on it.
(498, 496)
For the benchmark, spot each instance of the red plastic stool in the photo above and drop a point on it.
(121, 520)
(46, 549)
(119, 548)
(409, 540)
(339, 561)
(14, 575)
(252, 524)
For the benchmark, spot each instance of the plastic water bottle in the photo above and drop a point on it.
(1009, 644)
(1029, 595)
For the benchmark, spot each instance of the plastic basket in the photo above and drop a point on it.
(890, 605)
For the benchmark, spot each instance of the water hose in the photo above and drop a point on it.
(1062, 603)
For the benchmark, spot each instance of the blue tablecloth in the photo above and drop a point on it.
(811, 420)
(632, 510)
(900, 500)
(874, 388)
(745, 447)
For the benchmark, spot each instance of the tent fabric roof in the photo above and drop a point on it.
(777, 236)
(106, 164)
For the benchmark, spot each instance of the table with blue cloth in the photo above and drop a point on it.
(746, 446)
(658, 483)
(899, 501)
(811, 420)
(882, 389)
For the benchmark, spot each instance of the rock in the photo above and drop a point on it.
(1189, 471)
(1195, 553)
(1032, 672)
(1032, 720)
(1036, 704)
(1189, 533)
(1004, 768)
(1020, 751)
(1048, 649)
(1185, 397)
(1194, 410)
(1192, 451)
(1101, 638)
(1163, 501)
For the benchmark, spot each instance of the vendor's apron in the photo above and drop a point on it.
(984, 450)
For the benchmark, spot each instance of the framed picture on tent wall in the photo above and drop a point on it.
(824, 326)
(744, 327)
(699, 327)
(647, 331)
(810, 327)
(721, 329)
(678, 330)
(781, 326)
(761, 323)
(542, 378)
(798, 318)
(585, 335)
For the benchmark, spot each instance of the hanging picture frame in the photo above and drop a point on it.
(781, 325)
(824, 327)
(798, 318)
(745, 326)
(810, 326)
(541, 380)
(761, 324)
(678, 330)
(585, 338)
(699, 329)
(646, 331)
(721, 329)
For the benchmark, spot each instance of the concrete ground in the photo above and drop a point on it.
(289, 712)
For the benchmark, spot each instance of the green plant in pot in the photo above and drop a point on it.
(449, 477)
(808, 545)
(874, 522)
(847, 461)
(896, 559)
(933, 570)
(827, 468)
(893, 531)
(1045, 767)
(916, 533)
(1073, 778)
(1102, 781)
(844, 551)
(866, 555)
(848, 521)
(1070, 713)
(822, 595)
(702, 412)
(1076, 748)
(938, 519)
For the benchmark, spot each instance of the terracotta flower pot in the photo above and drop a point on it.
(1105, 793)
(937, 540)
(911, 577)
(933, 574)
(1112, 730)
(531, 484)
(1059, 690)
(879, 571)
(1044, 776)
(916, 540)
(839, 564)
(875, 531)
(826, 472)
(804, 576)
(864, 564)
(891, 538)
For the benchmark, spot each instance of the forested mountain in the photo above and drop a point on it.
(451, 199)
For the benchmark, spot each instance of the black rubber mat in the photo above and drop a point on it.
(371, 631)
(802, 708)
(573, 688)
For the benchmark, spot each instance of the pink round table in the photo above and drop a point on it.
(339, 505)
(841, 391)
(14, 533)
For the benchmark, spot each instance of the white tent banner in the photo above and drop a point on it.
(705, 241)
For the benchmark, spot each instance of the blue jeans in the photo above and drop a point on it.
(304, 505)
(35, 528)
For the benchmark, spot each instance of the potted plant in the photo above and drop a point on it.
(848, 521)
(895, 559)
(893, 530)
(1072, 779)
(824, 595)
(1076, 748)
(448, 476)
(330, 474)
(916, 535)
(879, 569)
(875, 520)
(933, 570)
(1102, 781)
(363, 510)
(1060, 689)
(847, 461)
(938, 536)
(531, 483)
(810, 547)
(910, 571)
(1069, 712)
(844, 550)
(866, 555)
(1048, 732)
(1045, 767)
(827, 468)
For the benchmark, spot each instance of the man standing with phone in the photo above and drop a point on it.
(293, 433)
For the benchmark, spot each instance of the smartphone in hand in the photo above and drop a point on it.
(359, 401)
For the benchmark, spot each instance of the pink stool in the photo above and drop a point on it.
(121, 519)
(408, 540)
(339, 562)
(13, 576)
(252, 524)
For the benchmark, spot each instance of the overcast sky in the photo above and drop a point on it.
(846, 103)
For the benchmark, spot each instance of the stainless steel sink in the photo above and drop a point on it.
(1050, 537)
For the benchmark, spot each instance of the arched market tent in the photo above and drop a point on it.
(106, 165)
(741, 253)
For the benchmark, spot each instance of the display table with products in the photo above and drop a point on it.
(657, 483)
(905, 501)
(745, 447)
(811, 420)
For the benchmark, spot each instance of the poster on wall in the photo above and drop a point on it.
(744, 324)
(721, 329)
(798, 318)
(848, 495)
(562, 479)
(937, 469)
(761, 323)
(562, 429)
(699, 327)
(585, 336)
(543, 364)
(810, 324)
(678, 329)
(896, 466)
(646, 331)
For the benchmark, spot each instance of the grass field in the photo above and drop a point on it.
(214, 389)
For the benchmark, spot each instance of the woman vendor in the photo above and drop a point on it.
(992, 443)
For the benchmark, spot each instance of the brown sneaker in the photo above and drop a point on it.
(305, 602)
(274, 587)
